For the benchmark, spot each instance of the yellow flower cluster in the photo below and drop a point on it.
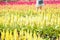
(26, 15)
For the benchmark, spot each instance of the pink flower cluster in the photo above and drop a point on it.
(29, 3)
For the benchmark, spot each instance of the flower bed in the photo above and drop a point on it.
(23, 22)
(30, 3)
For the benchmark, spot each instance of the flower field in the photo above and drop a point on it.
(24, 22)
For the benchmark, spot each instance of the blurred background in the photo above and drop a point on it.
(25, 0)
(28, 2)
